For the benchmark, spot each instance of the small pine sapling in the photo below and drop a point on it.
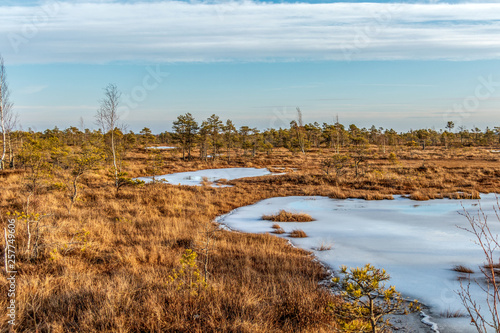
(188, 277)
(368, 300)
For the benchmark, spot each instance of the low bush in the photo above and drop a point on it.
(323, 247)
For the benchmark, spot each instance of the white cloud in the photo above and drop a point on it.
(247, 31)
(29, 90)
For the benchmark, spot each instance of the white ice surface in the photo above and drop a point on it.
(417, 242)
(195, 178)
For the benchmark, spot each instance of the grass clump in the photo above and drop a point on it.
(462, 269)
(257, 282)
(473, 195)
(419, 196)
(453, 314)
(368, 300)
(297, 233)
(284, 216)
(323, 247)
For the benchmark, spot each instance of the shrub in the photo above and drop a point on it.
(412, 143)
(337, 162)
(393, 158)
(464, 195)
(206, 181)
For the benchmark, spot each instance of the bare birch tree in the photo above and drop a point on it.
(300, 133)
(487, 319)
(11, 119)
(107, 118)
(5, 110)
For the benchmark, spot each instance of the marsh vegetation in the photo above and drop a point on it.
(108, 247)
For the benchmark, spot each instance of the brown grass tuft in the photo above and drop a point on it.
(453, 314)
(473, 195)
(206, 182)
(323, 247)
(462, 269)
(284, 216)
(277, 229)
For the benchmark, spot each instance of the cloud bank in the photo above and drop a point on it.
(173, 31)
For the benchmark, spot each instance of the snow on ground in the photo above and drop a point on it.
(161, 147)
(195, 178)
(417, 242)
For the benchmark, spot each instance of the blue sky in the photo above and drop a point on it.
(392, 64)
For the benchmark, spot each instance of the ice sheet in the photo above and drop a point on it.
(417, 242)
(195, 178)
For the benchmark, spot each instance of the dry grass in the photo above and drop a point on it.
(462, 269)
(277, 229)
(494, 267)
(118, 280)
(419, 196)
(323, 247)
(454, 314)
(284, 216)
(297, 233)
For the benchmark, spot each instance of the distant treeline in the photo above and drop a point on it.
(213, 137)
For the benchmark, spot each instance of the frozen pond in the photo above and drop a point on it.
(417, 242)
(195, 178)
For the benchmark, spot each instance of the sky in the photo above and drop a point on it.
(401, 65)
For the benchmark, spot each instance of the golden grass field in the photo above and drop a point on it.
(106, 265)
